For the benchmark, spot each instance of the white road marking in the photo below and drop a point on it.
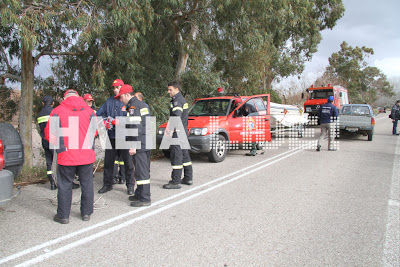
(391, 254)
(166, 207)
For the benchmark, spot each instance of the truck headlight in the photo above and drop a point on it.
(198, 131)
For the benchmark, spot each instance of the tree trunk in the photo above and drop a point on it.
(184, 45)
(264, 80)
(25, 109)
(181, 65)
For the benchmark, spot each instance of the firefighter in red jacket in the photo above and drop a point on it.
(71, 132)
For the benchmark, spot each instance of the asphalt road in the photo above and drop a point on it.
(288, 207)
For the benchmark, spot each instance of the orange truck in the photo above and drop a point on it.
(317, 96)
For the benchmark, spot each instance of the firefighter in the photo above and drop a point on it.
(180, 158)
(138, 112)
(111, 109)
(327, 115)
(42, 120)
(140, 96)
(71, 160)
(89, 101)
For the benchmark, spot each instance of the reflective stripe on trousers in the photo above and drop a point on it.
(141, 163)
(180, 161)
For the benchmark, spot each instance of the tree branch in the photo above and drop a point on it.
(50, 53)
(5, 58)
(180, 14)
(41, 53)
(11, 76)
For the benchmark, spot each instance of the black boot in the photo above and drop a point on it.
(253, 150)
(53, 185)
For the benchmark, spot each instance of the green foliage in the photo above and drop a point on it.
(259, 41)
(240, 45)
(365, 83)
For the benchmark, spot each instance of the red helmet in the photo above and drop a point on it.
(117, 82)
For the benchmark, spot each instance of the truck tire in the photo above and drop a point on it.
(10, 137)
(219, 151)
(370, 135)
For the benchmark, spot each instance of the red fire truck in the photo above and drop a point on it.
(219, 123)
(317, 96)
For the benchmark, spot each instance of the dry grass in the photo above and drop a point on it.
(32, 175)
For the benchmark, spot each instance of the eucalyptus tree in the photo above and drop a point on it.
(365, 83)
(205, 44)
(32, 29)
(266, 40)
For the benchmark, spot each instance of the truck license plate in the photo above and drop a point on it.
(352, 129)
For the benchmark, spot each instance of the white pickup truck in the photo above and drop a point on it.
(357, 118)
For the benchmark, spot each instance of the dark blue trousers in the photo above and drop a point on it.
(141, 161)
(65, 177)
(109, 159)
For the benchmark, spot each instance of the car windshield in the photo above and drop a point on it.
(321, 94)
(355, 110)
(210, 107)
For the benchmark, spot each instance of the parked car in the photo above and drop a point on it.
(382, 110)
(11, 160)
(357, 118)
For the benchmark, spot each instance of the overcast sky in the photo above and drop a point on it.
(370, 23)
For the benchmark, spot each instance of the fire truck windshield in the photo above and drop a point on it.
(320, 94)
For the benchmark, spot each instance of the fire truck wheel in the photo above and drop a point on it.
(218, 153)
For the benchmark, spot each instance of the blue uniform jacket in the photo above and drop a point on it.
(327, 113)
(112, 108)
(43, 118)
